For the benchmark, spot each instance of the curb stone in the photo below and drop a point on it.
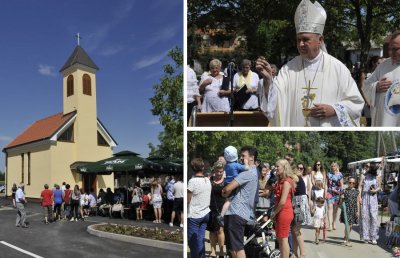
(135, 240)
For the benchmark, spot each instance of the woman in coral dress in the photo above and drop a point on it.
(283, 212)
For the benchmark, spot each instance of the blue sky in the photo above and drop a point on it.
(127, 39)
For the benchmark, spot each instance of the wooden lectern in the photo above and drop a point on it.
(240, 118)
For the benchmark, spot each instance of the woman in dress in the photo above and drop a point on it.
(198, 199)
(369, 187)
(301, 200)
(217, 201)
(349, 197)
(215, 88)
(75, 199)
(335, 187)
(283, 214)
(156, 197)
(137, 198)
(318, 173)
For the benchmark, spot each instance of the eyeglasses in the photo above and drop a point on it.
(352, 183)
(301, 168)
(318, 164)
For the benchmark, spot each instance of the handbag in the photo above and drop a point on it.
(117, 207)
(298, 218)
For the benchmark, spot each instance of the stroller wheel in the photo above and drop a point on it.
(275, 254)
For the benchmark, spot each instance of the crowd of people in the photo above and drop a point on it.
(313, 89)
(239, 189)
(64, 203)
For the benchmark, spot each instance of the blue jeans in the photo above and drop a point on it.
(196, 232)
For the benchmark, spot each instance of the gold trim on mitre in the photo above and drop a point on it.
(310, 17)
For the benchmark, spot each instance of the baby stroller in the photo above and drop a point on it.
(253, 247)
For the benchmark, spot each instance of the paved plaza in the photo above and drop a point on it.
(65, 238)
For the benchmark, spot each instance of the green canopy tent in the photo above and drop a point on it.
(124, 161)
(121, 162)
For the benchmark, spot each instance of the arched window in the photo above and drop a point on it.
(87, 87)
(70, 85)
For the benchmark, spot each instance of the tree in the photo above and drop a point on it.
(168, 105)
(268, 25)
(364, 21)
(307, 147)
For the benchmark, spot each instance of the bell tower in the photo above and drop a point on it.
(79, 95)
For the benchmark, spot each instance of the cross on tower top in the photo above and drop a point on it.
(78, 37)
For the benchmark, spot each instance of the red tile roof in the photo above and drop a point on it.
(41, 129)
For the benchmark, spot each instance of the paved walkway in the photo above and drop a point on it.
(333, 246)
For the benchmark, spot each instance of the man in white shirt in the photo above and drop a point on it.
(314, 88)
(20, 202)
(178, 201)
(193, 95)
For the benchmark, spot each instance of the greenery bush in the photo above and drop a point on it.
(144, 232)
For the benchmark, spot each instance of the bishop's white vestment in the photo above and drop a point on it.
(326, 80)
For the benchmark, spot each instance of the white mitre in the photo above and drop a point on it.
(310, 17)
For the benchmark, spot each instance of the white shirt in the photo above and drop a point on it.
(201, 195)
(238, 83)
(319, 193)
(319, 212)
(330, 81)
(178, 189)
(192, 86)
(92, 200)
(318, 176)
(19, 195)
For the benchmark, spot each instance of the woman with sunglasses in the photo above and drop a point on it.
(300, 200)
(349, 197)
(334, 190)
(318, 173)
(368, 187)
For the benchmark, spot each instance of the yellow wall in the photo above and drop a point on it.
(40, 169)
(50, 162)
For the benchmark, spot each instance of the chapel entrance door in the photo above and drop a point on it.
(89, 181)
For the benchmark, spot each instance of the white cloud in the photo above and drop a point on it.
(111, 50)
(47, 70)
(100, 33)
(4, 138)
(163, 35)
(148, 61)
(154, 122)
